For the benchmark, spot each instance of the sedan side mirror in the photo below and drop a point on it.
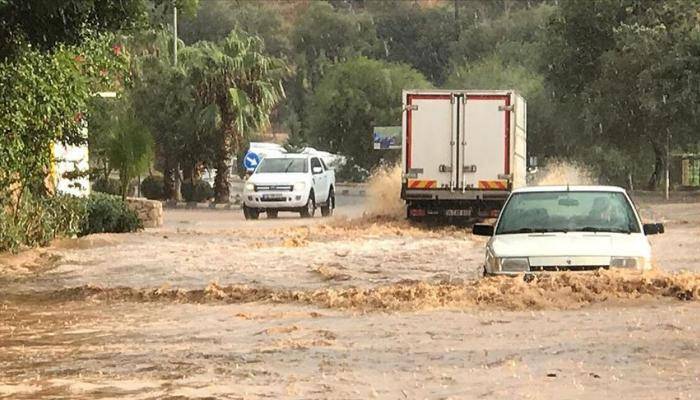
(317, 170)
(654, 229)
(483, 230)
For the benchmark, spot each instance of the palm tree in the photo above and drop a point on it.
(237, 86)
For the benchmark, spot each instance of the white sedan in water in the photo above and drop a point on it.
(562, 228)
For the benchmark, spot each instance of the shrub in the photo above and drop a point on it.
(351, 173)
(152, 188)
(35, 221)
(199, 192)
(106, 213)
(109, 186)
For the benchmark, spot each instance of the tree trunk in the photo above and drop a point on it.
(655, 177)
(171, 187)
(178, 182)
(124, 181)
(221, 184)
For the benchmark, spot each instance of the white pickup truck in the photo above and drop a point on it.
(289, 182)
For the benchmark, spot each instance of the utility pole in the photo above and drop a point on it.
(177, 178)
(668, 163)
(174, 34)
(457, 24)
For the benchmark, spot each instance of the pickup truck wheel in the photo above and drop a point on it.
(250, 213)
(309, 209)
(327, 210)
(272, 214)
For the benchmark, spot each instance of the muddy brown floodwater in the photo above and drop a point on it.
(353, 307)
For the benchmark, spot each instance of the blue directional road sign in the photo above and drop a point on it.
(251, 161)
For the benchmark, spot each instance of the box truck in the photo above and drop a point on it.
(463, 152)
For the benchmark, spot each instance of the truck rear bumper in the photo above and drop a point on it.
(446, 194)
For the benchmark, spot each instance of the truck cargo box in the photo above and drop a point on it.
(463, 150)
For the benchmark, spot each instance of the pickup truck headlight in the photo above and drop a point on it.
(514, 264)
(300, 186)
(627, 262)
(249, 187)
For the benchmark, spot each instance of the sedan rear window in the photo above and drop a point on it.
(568, 212)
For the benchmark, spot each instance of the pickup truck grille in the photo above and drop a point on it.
(275, 188)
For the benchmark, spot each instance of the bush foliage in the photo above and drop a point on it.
(152, 188)
(198, 192)
(107, 186)
(35, 220)
(106, 213)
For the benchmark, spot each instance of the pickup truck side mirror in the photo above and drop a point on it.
(483, 230)
(654, 229)
(317, 170)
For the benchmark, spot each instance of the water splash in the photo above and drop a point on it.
(384, 193)
(560, 172)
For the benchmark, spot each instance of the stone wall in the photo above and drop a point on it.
(149, 211)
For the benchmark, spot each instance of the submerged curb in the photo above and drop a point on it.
(193, 206)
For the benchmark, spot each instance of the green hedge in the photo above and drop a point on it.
(109, 186)
(153, 188)
(106, 213)
(200, 192)
(36, 220)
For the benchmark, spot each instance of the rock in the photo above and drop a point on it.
(150, 212)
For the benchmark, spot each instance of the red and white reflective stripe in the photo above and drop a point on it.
(421, 184)
(493, 185)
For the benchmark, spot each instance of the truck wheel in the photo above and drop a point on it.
(327, 210)
(250, 213)
(309, 209)
(272, 214)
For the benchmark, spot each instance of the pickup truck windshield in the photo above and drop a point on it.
(568, 212)
(282, 165)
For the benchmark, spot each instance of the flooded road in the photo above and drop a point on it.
(212, 306)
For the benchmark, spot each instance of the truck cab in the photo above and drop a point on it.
(289, 182)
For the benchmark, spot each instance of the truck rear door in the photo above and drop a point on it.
(430, 141)
(484, 151)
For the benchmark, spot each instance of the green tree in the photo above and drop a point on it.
(163, 99)
(351, 99)
(43, 100)
(236, 86)
(215, 19)
(626, 72)
(128, 147)
(419, 37)
(321, 37)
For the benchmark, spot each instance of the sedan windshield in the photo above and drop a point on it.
(568, 212)
(282, 165)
